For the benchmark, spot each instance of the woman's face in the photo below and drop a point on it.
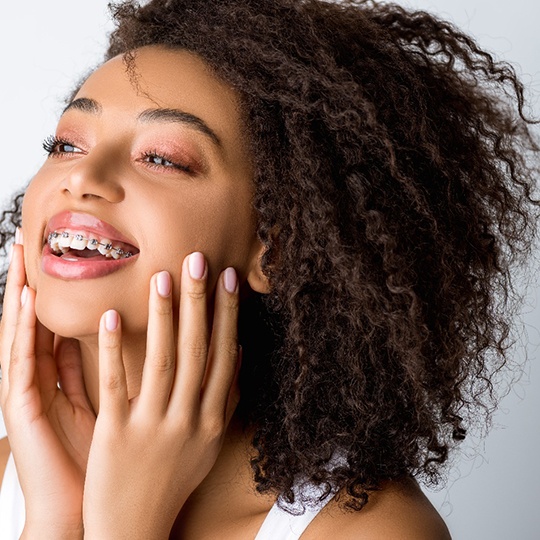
(149, 160)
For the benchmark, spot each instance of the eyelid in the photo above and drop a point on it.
(178, 147)
(177, 165)
(180, 160)
(53, 141)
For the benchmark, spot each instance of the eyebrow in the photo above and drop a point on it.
(85, 105)
(91, 106)
(175, 115)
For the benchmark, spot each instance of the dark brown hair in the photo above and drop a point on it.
(394, 189)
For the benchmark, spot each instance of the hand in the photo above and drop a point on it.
(148, 454)
(47, 413)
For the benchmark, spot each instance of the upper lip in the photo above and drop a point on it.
(86, 223)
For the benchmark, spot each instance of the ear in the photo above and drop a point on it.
(255, 278)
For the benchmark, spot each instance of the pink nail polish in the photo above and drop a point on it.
(24, 295)
(111, 320)
(163, 284)
(230, 280)
(18, 236)
(197, 265)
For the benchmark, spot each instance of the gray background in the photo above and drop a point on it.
(45, 47)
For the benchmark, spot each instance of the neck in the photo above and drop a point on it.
(227, 494)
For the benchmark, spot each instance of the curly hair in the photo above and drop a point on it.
(395, 177)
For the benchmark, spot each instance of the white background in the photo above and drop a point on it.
(47, 46)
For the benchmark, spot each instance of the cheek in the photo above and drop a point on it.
(33, 212)
(222, 227)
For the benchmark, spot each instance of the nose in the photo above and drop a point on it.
(94, 176)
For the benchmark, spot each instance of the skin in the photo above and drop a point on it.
(157, 367)
(168, 212)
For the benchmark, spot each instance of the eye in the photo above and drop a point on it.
(157, 161)
(57, 146)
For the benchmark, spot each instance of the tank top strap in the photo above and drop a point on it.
(288, 522)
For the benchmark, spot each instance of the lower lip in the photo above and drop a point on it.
(81, 269)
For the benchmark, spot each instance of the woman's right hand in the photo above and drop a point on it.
(48, 415)
(150, 452)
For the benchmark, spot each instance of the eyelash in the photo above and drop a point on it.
(51, 144)
(157, 155)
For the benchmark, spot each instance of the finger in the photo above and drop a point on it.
(160, 363)
(192, 335)
(70, 373)
(223, 346)
(22, 361)
(113, 396)
(16, 280)
(234, 394)
(47, 373)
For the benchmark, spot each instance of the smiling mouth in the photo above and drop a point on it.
(75, 245)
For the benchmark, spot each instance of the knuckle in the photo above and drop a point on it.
(213, 428)
(163, 363)
(113, 381)
(110, 346)
(163, 307)
(230, 347)
(17, 357)
(198, 349)
(197, 294)
(230, 303)
(186, 425)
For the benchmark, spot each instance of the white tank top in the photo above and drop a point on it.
(11, 499)
(278, 524)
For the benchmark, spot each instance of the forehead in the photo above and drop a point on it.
(158, 77)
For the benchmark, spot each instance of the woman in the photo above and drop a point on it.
(355, 181)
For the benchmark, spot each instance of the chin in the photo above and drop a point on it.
(69, 310)
(67, 316)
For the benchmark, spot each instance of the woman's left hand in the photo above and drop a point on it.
(149, 453)
(48, 415)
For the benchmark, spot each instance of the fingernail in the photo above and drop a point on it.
(24, 295)
(196, 265)
(18, 236)
(163, 283)
(111, 320)
(230, 280)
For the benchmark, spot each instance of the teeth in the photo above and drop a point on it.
(105, 247)
(78, 242)
(117, 253)
(93, 243)
(53, 241)
(64, 241)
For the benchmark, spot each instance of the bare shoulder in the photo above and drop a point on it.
(4, 455)
(400, 511)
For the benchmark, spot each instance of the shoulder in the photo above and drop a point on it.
(400, 511)
(4, 455)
